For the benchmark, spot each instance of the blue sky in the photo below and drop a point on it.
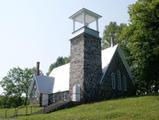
(39, 30)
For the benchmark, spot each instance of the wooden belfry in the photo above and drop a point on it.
(85, 17)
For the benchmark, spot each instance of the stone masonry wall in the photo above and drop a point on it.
(106, 86)
(85, 65)
(92, 67)
(76, 63)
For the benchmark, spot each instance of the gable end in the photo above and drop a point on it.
(123, 59)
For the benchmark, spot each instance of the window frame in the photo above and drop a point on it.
(125, 83)
(113, 80)
(119, 80)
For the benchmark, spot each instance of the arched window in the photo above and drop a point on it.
(119, 79)
(113, 80)
(125, 83)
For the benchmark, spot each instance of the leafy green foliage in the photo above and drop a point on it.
(112, 30)
(11, 101)
(142, 36)
(140, 42)
(59, 61)
(16, 83)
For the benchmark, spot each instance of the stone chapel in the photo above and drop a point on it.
(92, 74)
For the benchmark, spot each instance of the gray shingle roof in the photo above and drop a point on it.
(44, 84)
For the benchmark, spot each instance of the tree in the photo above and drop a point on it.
(17, 82)
(10, 101)
(59, 61)
(142, 36)
(25, 84)
(112, 30)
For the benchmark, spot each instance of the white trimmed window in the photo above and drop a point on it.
(125, 83)
(113, 80)
(119, 79)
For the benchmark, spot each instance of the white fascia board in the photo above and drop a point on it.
(84, 10)
(86, 30)
(90, 16)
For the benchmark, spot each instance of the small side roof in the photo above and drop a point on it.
(44, 84)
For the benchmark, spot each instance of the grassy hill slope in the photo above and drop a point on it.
(137, 108)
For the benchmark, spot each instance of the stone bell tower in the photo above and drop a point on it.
(85, 62)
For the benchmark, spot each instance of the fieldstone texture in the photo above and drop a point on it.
(85, 65)
(106, 91)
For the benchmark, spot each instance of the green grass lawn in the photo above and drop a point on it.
(137, 108)
(18, 111)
